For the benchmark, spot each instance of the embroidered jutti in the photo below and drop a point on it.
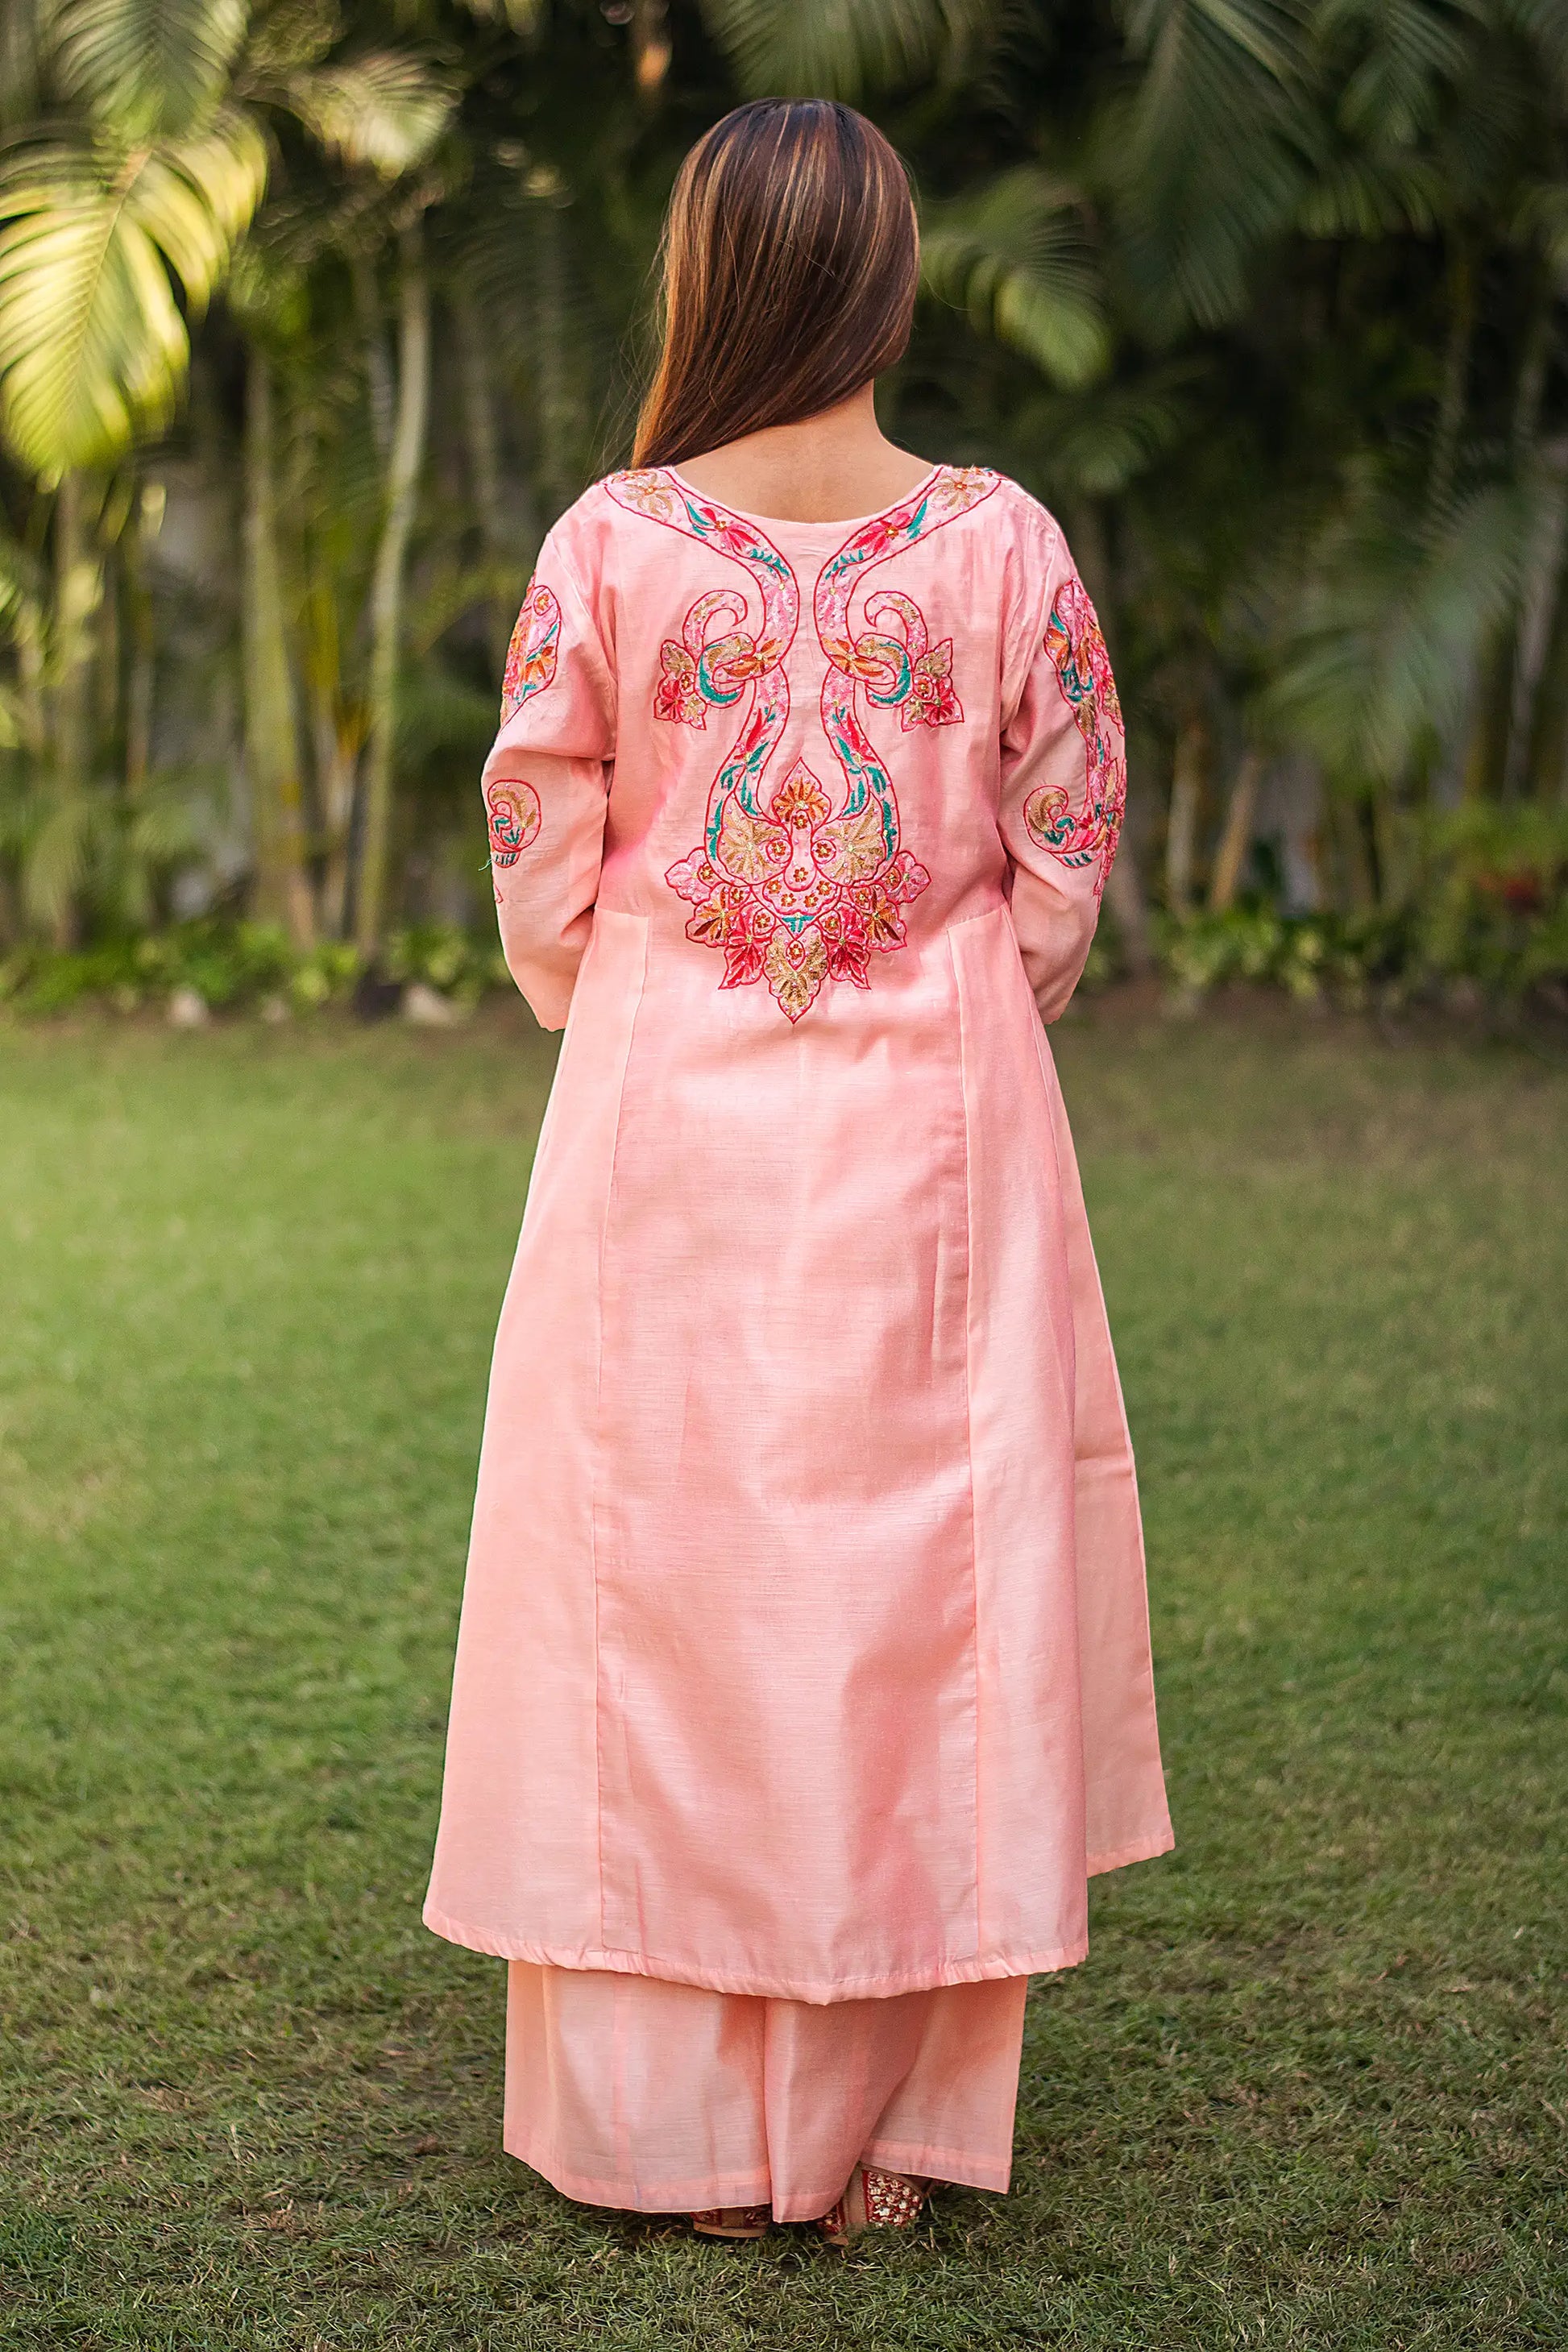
(805, 1650)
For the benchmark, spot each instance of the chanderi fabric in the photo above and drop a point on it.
(805, 1650)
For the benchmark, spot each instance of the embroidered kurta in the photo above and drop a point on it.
(804, 1646)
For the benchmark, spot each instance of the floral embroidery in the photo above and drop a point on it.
(514, 820)
(797, 890)
(1076, 645)
(797, 897)
(701, 670)
(531, 656)
(906, 670)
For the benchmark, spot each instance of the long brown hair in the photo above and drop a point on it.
(789, 262)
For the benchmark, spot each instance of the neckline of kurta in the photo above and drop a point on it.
(841, 524)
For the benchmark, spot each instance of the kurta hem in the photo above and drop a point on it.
(1141, 1850)
(819, 1991)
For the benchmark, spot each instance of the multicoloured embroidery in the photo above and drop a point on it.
(794, 898)
(701, 671)
(797, 891)
(1076, 645)
(531, 656)
(906, 670)
(515, 818)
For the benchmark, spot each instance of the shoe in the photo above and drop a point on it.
(874, 2199)
(732, 2221)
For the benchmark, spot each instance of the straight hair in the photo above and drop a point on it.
(787, 271)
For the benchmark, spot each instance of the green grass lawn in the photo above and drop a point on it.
(1310, 2089)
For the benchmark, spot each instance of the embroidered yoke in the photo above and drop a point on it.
(804, 1649)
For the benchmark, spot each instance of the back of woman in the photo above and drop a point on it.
(805, 1654)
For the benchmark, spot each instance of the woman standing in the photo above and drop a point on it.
(804, 1675)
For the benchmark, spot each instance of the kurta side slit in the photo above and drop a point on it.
(803, 1656)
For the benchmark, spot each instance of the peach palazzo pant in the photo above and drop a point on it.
(657, 2097)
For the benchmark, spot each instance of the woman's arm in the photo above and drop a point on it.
(546, 786)
(1064, 782)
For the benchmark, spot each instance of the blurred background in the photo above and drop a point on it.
(313, 316)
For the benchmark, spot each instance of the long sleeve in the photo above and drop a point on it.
(546, 784)
(1064, 777)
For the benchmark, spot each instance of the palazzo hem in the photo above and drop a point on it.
(951, 2167)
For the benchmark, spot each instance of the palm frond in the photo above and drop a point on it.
(1208, 156)
(1381, 659)
(842, 49)
(1015, 258)
(1093, 445)
(1543, 216)
(93, 345)
(385, 109)
(58, 853)
(1373, 196)
(1544, 24)
(146, 69)
(1391, 61)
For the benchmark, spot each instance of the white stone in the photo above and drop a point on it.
(188, 1009)
(426, 1007)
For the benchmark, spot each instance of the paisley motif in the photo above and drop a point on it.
(801, 887)
(515, 818)
(531, 656)
(1076, 646)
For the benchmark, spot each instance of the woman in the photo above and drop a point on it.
(803, 1673)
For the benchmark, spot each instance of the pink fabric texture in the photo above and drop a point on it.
(805, 1647)
(667, 2098)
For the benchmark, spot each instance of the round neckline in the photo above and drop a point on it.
(787, 523)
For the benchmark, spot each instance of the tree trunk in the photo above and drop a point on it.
(1130, 909)
(1359, 885)
(1236, 838)
(484, 457)
(557, 409)
(1181, 830)
(142, 631)
(1456, 380)
(1124, 884)
(73, 602)
(386, 590)
(651, 48)
(271, 736)
(378, 368)
(1486, 756)
(1548, 762)
(336, 742)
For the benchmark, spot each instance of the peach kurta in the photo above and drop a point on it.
(805, 1647)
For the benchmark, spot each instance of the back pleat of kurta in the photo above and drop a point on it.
(805, 1647)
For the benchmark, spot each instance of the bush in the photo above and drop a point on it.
(1490, 923)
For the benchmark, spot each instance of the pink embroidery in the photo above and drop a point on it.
(795, 897)
(794, 890)
(701, 669)
(515, 818)
(1076, 645)
(531, 656)
(906, 670)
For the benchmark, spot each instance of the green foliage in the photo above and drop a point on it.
(1265, 298)
(240, 967)
(93, 344)
(1491, 922)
